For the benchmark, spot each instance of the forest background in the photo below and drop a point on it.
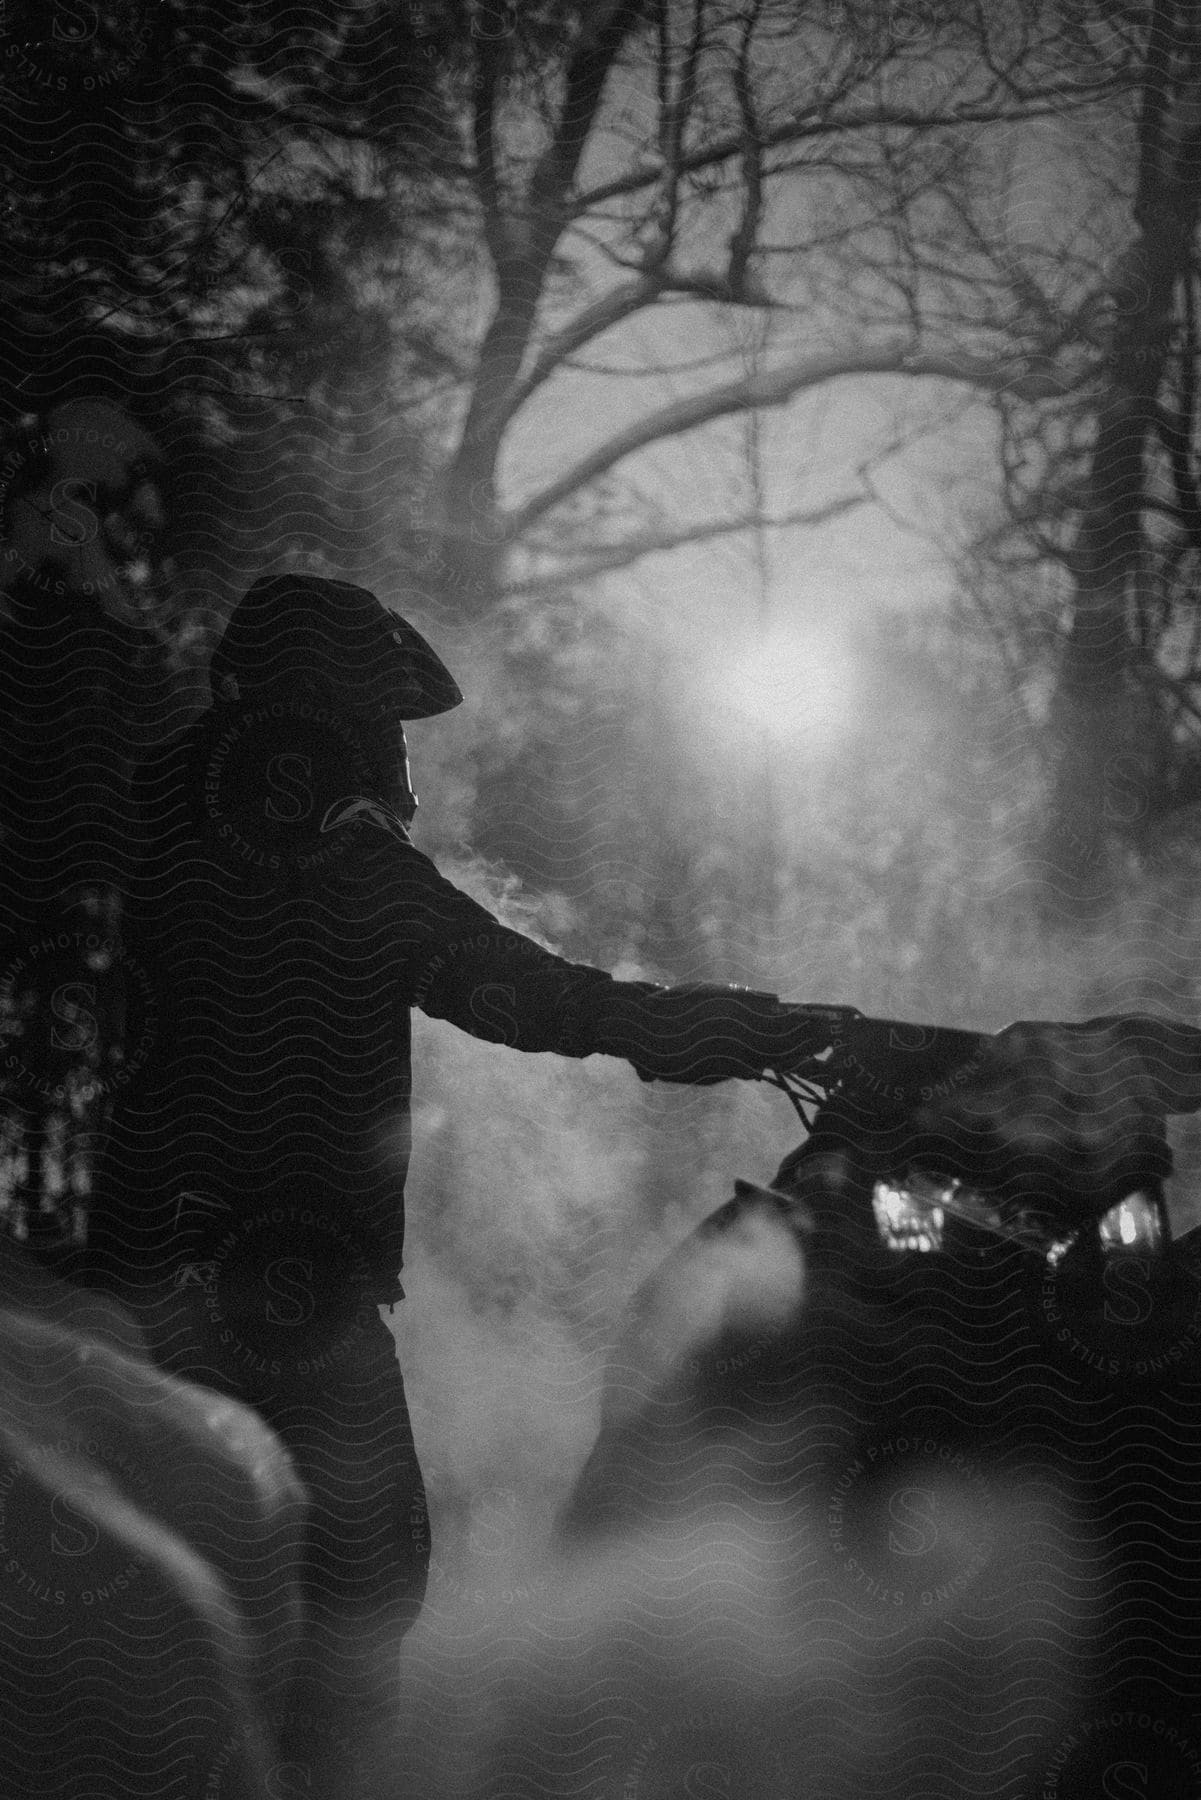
(781, 414)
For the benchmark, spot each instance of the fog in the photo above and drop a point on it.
(685, 1660)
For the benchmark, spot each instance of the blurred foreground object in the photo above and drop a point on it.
(149, 1595)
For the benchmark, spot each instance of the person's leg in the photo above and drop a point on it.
(367, 1556)
(349, 1434)
(334, 1395)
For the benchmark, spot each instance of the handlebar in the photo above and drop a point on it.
(898, 1064)
(1019, 1159)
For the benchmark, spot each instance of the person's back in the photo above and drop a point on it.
(282, 1072)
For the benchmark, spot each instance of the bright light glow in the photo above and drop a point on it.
(798, 681)
(896, 1206)
(1132, 1221)
(905, 1222)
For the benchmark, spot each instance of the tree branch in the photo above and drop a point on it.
(621, 304)
(497, 231)
(653, 543)
(795, 131)
(608, 27)
(611, 309)
(521, 274)
(775, 387)
(746, 233)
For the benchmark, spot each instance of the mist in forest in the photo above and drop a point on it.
(543, 1192)
(867, 856)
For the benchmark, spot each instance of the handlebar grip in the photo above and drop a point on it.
(703, 1032)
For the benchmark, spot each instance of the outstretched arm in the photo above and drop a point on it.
(507, 989)
(700, 1033)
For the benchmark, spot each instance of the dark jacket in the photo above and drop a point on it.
(288, 926)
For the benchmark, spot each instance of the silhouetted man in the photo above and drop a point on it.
(251, 1208)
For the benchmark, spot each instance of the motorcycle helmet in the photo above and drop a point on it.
(308, 633)
(333, 635)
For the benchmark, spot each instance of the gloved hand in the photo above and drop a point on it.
(1073, 1114)
(703, 1033)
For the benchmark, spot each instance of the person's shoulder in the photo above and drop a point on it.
(391, 865)
(366, 846)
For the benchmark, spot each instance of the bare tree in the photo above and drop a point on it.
(1102, 513)
(671, 157)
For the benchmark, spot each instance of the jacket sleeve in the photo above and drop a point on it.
(698, 1034)
(503, 987)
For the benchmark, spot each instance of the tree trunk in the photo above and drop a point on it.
(1107, 731)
